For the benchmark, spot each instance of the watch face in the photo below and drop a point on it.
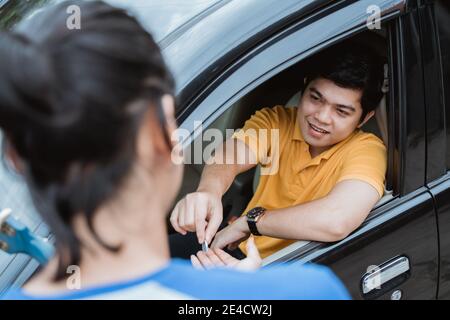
(255, 212)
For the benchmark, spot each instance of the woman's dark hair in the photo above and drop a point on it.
(71, 102)
(353, 66)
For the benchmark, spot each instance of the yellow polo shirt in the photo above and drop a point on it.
(296, 178)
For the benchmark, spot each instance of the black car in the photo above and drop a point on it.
(231, 58)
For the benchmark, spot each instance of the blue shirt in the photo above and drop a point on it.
(179, 280)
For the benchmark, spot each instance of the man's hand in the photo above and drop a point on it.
(202, 211)
(219, 258)
(199, 212)
(232, 235)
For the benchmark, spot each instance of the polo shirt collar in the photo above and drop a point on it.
(328, 153)
(297, 135)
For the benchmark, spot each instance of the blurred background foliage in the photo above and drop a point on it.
(12, 11)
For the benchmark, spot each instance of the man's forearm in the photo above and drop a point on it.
(328, 219)
(217, 178)
(309, 221)
(229, 160)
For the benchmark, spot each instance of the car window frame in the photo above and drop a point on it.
(201, 107)
(436, 141)
(403, 200)
(203, 110)
(445, 75)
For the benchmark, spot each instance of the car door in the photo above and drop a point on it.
(435, 23)
(394, 254)
(396, 249)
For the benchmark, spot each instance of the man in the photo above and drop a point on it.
(330, 173)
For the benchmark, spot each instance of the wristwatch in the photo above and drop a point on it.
(252, 218)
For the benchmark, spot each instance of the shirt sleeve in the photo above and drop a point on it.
(366, 161)
(258, 130)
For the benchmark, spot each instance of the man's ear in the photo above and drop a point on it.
(367, 118)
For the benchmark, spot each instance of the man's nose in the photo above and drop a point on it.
(324, 115)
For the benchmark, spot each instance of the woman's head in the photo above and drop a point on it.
(80, 108)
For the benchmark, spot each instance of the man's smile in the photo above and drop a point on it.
(316, 131)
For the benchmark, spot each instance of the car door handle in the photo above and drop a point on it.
(380, 275)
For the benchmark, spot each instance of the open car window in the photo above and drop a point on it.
(282, 88)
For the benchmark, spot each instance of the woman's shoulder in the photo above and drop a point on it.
(181, 281)
(289, 281)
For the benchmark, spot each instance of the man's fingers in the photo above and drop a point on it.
(196, 263)
(214, 222)
(189, 216)
(200, 221)
(182, 213)
(192, 214)
(174, 220)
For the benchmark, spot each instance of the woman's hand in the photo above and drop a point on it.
(218, 258)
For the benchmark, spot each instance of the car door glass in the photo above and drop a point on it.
(442, 14)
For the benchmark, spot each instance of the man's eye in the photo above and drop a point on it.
(342, 112)
(314, 97)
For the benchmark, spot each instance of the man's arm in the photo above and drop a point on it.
(230, 158)
(202, 211)
(328, 219)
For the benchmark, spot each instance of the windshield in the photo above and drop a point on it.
(160, 17)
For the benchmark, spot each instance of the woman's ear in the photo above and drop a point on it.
(367, 118)
(168, 108)
(13, 158)
(151, 140)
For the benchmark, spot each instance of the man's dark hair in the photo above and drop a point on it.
(71, 102)
(353, 66)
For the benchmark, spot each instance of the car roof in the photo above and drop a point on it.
(160, 17)
(202, 38)
(202, 50)
(164, 18)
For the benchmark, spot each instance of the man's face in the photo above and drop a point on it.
(328, 114)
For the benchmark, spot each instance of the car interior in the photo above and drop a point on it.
(283, 89)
